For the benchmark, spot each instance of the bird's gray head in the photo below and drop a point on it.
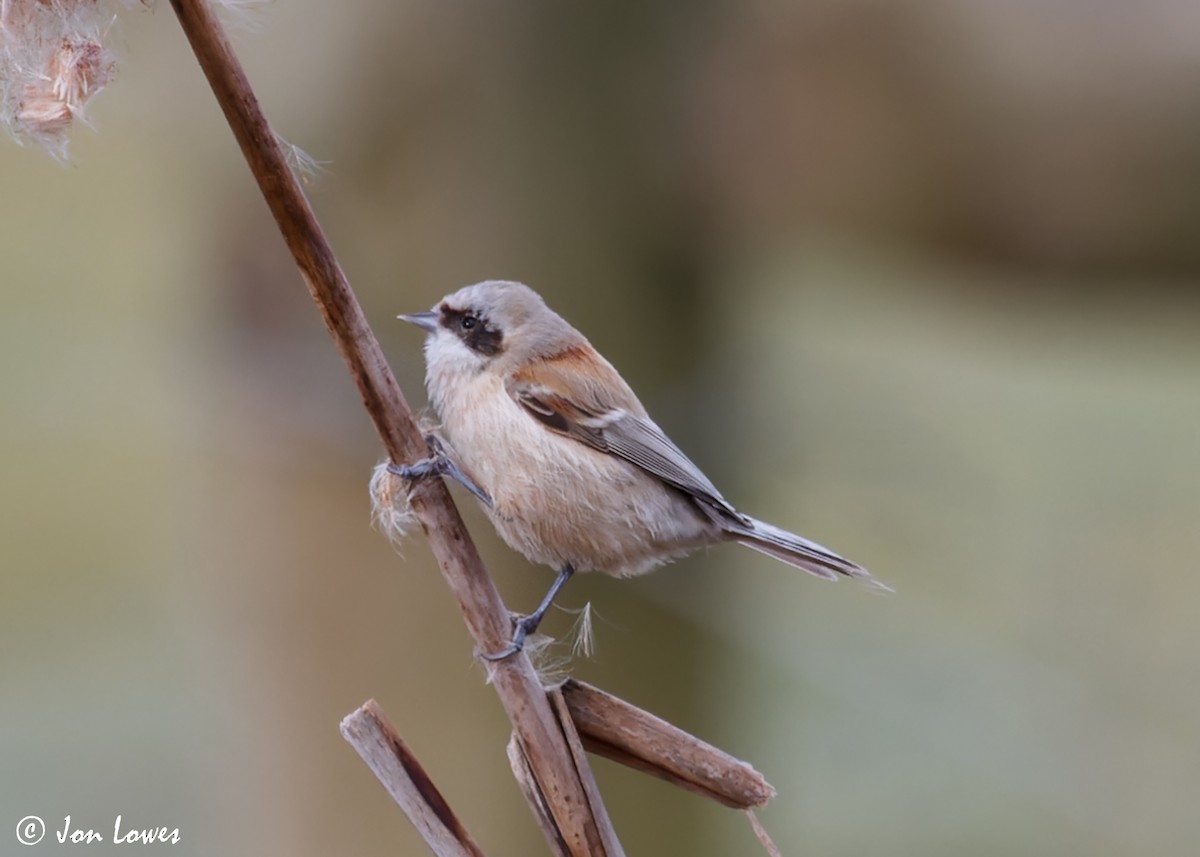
(489, 320)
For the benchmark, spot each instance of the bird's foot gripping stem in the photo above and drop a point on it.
(525, 626)
(439, 464)
(528, 624)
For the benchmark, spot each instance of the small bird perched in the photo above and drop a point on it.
(569, 466)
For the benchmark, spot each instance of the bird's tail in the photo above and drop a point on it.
(798, 551)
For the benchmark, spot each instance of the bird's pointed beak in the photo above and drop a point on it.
(427, 321)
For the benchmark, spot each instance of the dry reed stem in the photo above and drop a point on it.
(393, 763)
(534, 797)
(617, 730)
(579, 754)
(514, 679)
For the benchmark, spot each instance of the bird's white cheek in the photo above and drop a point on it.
(449, 364)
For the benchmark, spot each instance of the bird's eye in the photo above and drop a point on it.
(468, 322)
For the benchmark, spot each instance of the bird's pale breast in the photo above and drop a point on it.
(558, 501)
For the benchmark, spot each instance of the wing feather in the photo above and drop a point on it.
(609, 418)
(579, 395)
(643, 443)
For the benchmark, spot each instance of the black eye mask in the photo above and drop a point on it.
(473, 330)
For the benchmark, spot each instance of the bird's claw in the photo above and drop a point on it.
(439, 464)
(524, 627)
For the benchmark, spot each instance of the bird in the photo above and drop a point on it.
(566, 461)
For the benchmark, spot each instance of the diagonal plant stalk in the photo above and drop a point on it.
(393, 763)
(579, 822)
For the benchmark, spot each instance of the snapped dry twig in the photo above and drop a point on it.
(533, 794)
(394, 764)
(617, 730)
(516, 684)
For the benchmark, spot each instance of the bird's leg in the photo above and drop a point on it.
(439, 464)
(529, 624)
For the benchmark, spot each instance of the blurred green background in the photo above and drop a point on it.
(916, 279)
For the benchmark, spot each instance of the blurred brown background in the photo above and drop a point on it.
(916, 279)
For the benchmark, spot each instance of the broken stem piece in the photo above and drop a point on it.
(395, 766)
(617, 730)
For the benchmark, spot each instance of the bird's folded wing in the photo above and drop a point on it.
(618, 432)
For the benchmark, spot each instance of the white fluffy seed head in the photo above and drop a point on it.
(54, 60)
(390, 510)
(52, 63)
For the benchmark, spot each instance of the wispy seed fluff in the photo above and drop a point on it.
(52, 63)
(390, 509)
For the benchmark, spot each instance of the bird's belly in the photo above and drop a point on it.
(561, 502)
